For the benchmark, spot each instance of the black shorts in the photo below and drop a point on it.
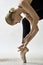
(38, 7)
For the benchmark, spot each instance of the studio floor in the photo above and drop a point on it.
(17, 62)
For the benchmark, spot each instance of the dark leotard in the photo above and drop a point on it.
(26, 27)
(38, 7)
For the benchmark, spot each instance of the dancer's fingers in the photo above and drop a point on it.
(20, 46)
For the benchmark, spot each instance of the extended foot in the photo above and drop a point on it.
(23, 52)
(23, 57)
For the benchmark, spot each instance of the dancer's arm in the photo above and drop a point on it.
(20, 9)
(29, 1)
(33, 20)
(29, 9)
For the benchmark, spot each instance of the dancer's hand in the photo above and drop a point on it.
(22, 48)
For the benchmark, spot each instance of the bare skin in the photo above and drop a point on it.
(32, 17)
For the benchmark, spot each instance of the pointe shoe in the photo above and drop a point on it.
(23, 57)
(23, 53)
